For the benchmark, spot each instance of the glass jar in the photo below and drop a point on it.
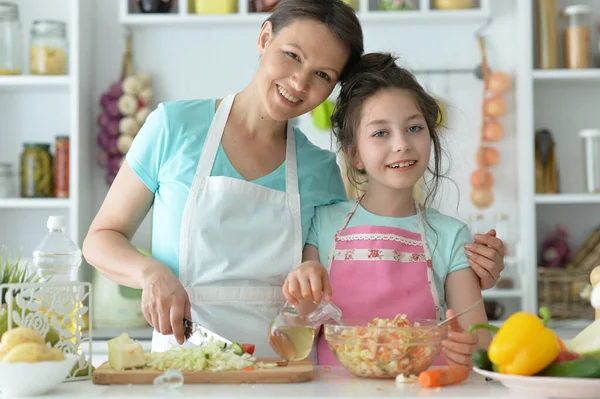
(292, 336)
(61, 167)
(36, 171)
(452, 4)
(11, 55)
(48, 53)
(8, 188)
(476, 224)
(396, 5)
(591, 138)
(154, 6)
(576, 36)
(501, 228)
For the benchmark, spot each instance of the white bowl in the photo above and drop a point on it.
(28, 379)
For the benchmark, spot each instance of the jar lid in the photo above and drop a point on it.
(501, 216)
(580, 9)
(589, 133)
(9, 11)
(36, 145)
(48, 27)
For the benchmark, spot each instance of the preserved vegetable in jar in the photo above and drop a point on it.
(48, 52)
(36, 171)
(61, 167)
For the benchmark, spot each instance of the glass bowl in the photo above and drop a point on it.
(369, 348)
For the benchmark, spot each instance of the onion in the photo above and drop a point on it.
(114, 163)
(482, 178)
(482, 197)
(498, 83)
(110, 177)
(112, 109)
(115, 90)
(103, 119)
(102, 158)
(113, 127)
(486, 157)
(111, 145)
(493, 131)
(124, 143)
(105, 100)
(494, 107)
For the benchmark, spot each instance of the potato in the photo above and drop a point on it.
(3, 351)
(29, 352)
(58, 355)
(21, 335)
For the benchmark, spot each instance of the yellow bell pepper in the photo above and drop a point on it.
(523, 345)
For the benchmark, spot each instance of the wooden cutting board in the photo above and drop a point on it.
(294, 372)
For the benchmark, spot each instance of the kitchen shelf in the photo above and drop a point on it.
(183, 17)
(33, 81)
(566, 75)
(34, 203)
(494, 293)
(258, 18)
(557, 199)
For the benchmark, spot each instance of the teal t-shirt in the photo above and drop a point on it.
(165, 155)
(446, 236)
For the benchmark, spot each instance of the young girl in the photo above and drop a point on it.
(384, 254)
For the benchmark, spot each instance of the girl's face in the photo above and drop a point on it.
(392, 143)
(299, 68)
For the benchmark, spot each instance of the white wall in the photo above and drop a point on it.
(215, 60)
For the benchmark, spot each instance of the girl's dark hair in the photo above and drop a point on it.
(338, 16)
(373, 73)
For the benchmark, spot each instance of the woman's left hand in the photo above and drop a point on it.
(460, 344)
(486, 257)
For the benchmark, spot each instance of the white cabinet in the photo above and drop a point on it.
(563, 101)
(39, 108)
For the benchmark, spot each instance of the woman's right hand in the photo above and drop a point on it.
(308, 282)
(165, 302)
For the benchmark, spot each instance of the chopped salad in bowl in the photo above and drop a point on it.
(385, 348)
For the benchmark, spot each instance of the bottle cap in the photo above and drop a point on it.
(56, 223)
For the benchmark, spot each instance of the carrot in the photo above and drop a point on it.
(445, 375)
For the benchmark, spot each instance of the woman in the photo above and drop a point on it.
(233, 187)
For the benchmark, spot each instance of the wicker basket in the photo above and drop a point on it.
(559, 289)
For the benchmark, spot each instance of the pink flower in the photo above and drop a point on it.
(374, 253)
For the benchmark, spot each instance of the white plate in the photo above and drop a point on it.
(549, 387)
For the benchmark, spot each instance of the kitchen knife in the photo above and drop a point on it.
(198, 335)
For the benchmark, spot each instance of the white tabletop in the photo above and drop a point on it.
(332, 383)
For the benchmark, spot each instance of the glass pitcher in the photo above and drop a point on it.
(291, 335)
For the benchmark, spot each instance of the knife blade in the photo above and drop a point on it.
(198, 335)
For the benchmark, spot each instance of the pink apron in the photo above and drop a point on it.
(378, 271)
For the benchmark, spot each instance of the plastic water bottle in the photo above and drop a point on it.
(57, 258)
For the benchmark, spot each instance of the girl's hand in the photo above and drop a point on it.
(460, 345)
(308, 282)
(486, 257)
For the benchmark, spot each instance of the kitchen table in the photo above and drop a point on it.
(334, 382)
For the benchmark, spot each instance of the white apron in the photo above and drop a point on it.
(239, 241)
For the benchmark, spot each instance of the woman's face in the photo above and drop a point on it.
(299, 67)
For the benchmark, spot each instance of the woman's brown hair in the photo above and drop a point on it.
(338, 16)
